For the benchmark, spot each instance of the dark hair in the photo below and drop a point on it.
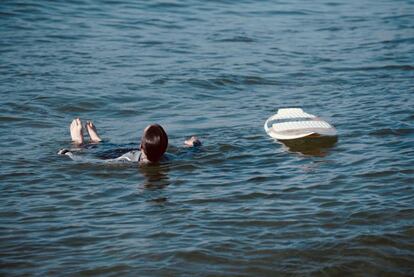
(154, 142)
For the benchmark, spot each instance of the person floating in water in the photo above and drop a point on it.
(154, 143)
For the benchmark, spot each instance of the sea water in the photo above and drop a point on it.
(242, 204)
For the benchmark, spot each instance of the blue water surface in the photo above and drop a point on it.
(243, 204)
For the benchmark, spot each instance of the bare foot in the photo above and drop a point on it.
(193, 141)
(92, 132)
(76, 131)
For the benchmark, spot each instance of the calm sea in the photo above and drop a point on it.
(243, 204)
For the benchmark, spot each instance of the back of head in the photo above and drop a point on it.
(154, 142)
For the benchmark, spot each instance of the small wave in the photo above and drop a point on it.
(392, 132)
(397, 41)
(371, 68)
(8, 13)
(231, 80)
(334, 4)
(66, 36)
(150, 43)
(167, 5)
(114, 269)
(330, 29)
(6, 118)
(236, 39)
(377, 174)
(287, 13)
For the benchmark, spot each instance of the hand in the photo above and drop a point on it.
(63, 151)
(192, 142)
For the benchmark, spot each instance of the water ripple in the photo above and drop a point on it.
(243, 204)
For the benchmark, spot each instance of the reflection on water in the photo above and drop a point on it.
(156, 176)
(317, 146)
(155, 180)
